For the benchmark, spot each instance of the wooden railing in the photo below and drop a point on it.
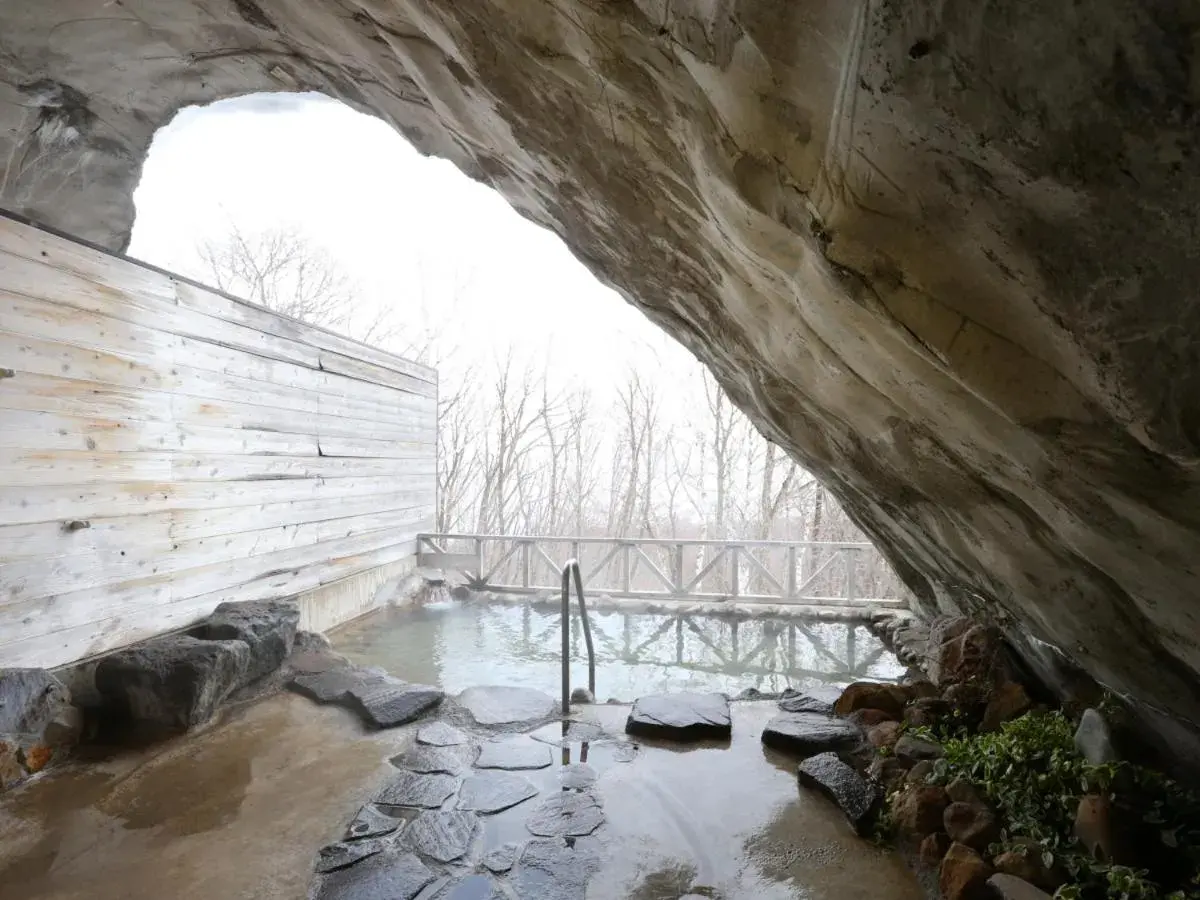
(809, 573)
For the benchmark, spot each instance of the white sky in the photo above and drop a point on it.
(411, 230)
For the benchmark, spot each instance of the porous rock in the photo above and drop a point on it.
(855, 796)
(267, 627)
(963, 874)
(975, 332)
(918, 809)
(38, 723)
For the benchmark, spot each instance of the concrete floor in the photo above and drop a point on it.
(239, 811)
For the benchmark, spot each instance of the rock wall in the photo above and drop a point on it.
(943, 251)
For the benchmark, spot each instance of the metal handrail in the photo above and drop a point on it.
(573, 566)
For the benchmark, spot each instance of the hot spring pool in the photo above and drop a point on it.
(458, 644)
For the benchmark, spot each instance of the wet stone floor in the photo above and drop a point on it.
(445, 808)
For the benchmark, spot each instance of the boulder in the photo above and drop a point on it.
(918, 809)
(887, 772)
(684, 716)
(919, 771)
(1005, 703)
(963, 874)
(960, 790)
(869, 718)
(926, 711)
(1027, 864)
(933, 849)
(1009, 887)
(267, 627)
(914, 749)
(172, 682)
(1094, 739)
(38, 723)
(890, 698)
(972, 824)
(884, 735)
(807, 734)
(841, 784)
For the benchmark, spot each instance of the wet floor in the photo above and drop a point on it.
(240, 810)
(457, 644)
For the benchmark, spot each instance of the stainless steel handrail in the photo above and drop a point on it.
(572, 566)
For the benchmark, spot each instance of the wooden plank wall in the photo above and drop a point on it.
(205, 448)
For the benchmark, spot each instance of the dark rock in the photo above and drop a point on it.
(965, 656)
(884, 735)
(267, 627)
(501, 705)
(502, 858)
(171, 682)
(471, 887)
(960, 790)
(1094, 740)
(923, 689)
(919, 771)
(933, 848)
(808, 734)
(566, 814)
(411, 789)
(966, 698)
(491, 792)
(513, 752)
(1006, 702)
(869, 718)
(890, 698)
(379, 699)
(841, 784)
(919, 808)
(1009, 887)
(370, 822)
(963, 874)
(915, 750)
(382, 876)
(338, 856)
(311, 642)
(554, 870)
(443, 835)
(576, 733)
(392, 704)
(576, 776)
(972, 824)
(38, 723)
(684, 716)
(425, 759)
(1026, 863)
(806, 703)
(887, 772)
(439, 734)
(926, 711)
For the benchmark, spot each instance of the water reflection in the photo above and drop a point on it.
(460, 644)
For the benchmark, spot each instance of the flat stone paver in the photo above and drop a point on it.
(471, 887)
(384, 876)
(412, 789)
(442, 834)
(502, 858)
(379, 699)
(430, 760)
(441, 734)
(514, 752)
(810, 733)
(503, 705)
(567, 814)
(577, 776)
(370, 822)
(492, 792)
(338, 856)
(806, 703)
(551, 870)
(576, 733)
(684, 716)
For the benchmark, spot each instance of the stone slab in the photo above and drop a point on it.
(501, 859)
(444, 835)
(370, 822)
(514, 752)
(415, 790)
(441, 734)
(552, 870)
(566, 814)
(684, 716)
(452, 760)
(494, 791)
(503, 705)
(383, 876)
(340, 855)
(808, 733)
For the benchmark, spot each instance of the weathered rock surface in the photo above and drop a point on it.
(566, 814)
(411, 789)
(863, 695)
(806, 703)
(442, 834)
(514, 752)
(1094, 739)
(383, 876)
(808, 734)
(841, 784)
(38, 723)
(914, 750)
(504, 705)
(267, 627)
(338, 856)
(576, 776)
(919, 809)
(370, 822)
(421, 758)
(173, 682)
(501, 859)
(492, 792)
(379, 699)
(963, 874)
(441, 734)
(471, 887)
(972, 824)
(684, 716)
(553, 870)
(955, 282)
